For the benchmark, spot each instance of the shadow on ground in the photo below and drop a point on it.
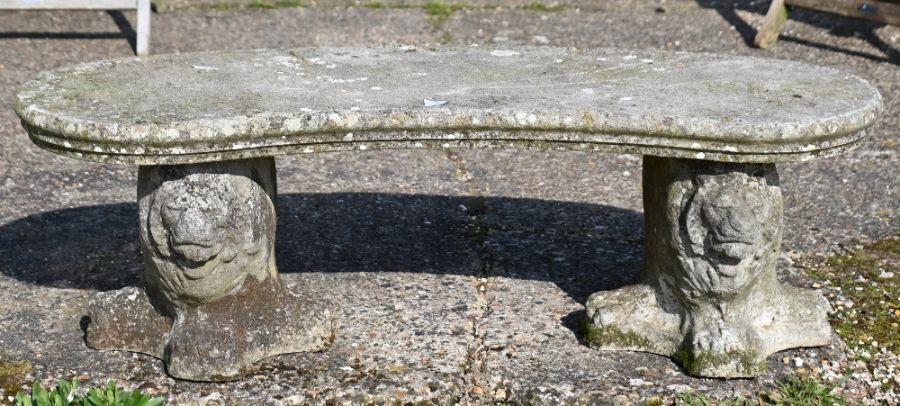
(582, 248)
(127, 32)
(836, 25)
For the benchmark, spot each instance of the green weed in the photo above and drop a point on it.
(65, 394)
(795, 391)
(806, 392)
(271, 4)
(438, 9)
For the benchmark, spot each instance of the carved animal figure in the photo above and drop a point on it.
(730, 233)
(206, 237)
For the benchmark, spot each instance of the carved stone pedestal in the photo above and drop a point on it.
(212, 302)
(710, 297)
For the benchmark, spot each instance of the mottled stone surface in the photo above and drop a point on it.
(228, 105)
(213, 302)
(710, 297)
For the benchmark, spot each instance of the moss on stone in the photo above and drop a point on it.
(613, 337)
(13, 375)
(747, 363)
(868, 307)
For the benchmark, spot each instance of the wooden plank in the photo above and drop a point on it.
(878, 11)
(142, 46)
(772, 25)
(68, 4)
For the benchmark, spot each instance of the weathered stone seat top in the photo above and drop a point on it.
(227, 105)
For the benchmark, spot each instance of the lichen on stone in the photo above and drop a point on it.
(269, 101)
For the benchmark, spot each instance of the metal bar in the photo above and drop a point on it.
(143, 28)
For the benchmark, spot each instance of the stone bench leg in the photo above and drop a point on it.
(710, 297)
(212, 301)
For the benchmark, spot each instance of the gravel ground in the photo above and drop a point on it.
(429, 310)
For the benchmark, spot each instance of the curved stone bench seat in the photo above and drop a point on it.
(217, 106)
(203, 127)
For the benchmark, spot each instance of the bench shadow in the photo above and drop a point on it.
(126, 31)
(836, 25)
(582, 248)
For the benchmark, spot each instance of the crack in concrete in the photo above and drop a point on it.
(475, 230)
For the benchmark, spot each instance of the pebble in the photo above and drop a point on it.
(886, 275)
(500, 394)
(678, 388)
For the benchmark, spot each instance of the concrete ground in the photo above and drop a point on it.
(461, 274)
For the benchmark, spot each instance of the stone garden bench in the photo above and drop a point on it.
(204, 127)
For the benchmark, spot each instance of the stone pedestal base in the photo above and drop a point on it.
(212, 303)
(710, 297)
(210, 343)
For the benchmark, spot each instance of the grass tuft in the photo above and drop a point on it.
(698, 399)
(272, 4)
(795, 391)
(440, 10)
(543, 8)
(806, 392)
